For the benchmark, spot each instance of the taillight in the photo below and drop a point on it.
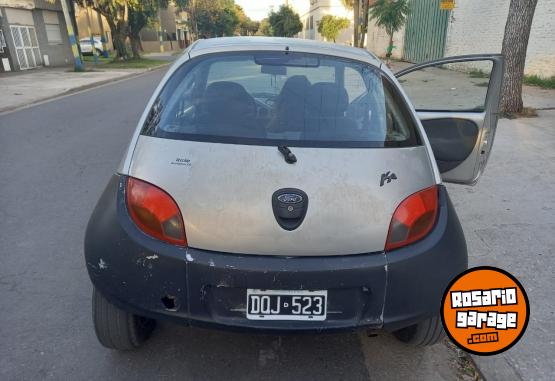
(413, 219)
(155, 212)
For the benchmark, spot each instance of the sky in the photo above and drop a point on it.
(258, 9)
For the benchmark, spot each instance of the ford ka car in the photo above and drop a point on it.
(284, 185)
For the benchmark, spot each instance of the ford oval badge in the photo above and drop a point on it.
(290, 198)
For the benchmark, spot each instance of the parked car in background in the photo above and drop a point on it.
(291, 185)
(86, 46)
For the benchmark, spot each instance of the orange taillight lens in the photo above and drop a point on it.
(413, 219)
(155, 212)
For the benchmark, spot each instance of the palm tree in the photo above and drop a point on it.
(355, 6)
(390, 15)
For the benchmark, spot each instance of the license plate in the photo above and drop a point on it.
(286, 304)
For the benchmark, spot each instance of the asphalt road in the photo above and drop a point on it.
(55, 159)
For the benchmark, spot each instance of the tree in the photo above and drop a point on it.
(390, 15)
(246, 27)
(116, 14)
(330, 26)
(264, 29)
(285, 22)
(215, 18)
(360, 19)
(142, 13)
(515, 44)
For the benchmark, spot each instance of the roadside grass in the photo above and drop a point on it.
(527, 112)
(465, 367)
(544, 83)
(90, 60)
(475, 73)
(141, 63)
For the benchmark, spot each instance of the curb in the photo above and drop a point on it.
(493, 368)
(78, 89)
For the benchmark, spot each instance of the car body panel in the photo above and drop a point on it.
(224, 193)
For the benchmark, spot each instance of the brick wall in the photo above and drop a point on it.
(477, 26)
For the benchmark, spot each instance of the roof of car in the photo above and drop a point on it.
(222, 44)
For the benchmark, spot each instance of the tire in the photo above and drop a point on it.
(116, 328)
(427, 332)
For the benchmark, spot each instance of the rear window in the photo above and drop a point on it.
(275, 98)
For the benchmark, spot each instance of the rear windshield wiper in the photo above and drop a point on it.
(289, 157)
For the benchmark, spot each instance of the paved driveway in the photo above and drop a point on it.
(509, 222)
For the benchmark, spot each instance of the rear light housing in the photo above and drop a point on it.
(155, 212)
(413, 219)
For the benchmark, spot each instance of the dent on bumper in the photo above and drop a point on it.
(192, 286)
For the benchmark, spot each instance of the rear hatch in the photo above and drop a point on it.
(211, 141)
(225, 193)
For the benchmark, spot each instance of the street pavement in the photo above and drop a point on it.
(56, 158)
(22, 88)
(509, 222)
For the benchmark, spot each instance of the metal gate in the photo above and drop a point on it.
(26, 46)
(426, 31)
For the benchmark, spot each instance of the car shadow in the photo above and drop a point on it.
(201, 354)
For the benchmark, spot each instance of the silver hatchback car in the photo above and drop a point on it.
(285, 185)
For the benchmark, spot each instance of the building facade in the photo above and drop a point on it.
(312, 11)
(473, 26)
(173, 29)
(33, 33)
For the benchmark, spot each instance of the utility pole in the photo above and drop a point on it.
(91, 37)
(160, 36)
(77, 63)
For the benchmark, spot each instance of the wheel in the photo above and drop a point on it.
(116, 328)
(427, 332)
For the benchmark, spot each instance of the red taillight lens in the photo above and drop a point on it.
(155, 212)
(413, 219)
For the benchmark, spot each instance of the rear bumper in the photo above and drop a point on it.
(375, 290)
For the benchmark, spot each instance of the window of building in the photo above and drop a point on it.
(2, 41)
(52, 26)
(311, 22)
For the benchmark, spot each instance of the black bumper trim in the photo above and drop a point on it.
(374, 290)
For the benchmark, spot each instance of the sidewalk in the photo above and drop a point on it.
(23, 88)
(535, 97)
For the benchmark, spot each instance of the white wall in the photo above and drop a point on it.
(377, 41)
(318, 9)
(477, 26)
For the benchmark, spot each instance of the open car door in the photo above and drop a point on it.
(457, 100)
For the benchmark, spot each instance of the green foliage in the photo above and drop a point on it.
(477, 73)
(534, 80)
(348, 4)
(215, 18)
(390, 15)
(285, 22)
(264, 29)
(246, 27)
(330, 26)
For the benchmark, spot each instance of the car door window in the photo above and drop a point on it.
(457, 100)
(460, 86)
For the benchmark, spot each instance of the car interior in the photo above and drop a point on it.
(301, 110)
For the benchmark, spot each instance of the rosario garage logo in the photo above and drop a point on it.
(485, 310)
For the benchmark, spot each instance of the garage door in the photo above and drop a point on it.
(426, 31)
(26, 46)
